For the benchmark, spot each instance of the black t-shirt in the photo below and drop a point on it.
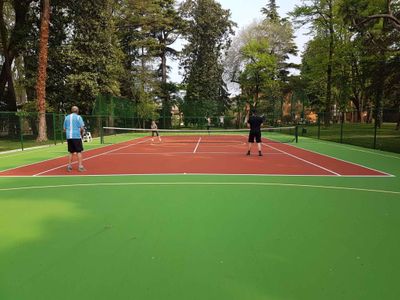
(255, 123)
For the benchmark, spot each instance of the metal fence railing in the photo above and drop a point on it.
(19, 130)
(364, 132)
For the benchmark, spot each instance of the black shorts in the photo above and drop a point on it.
(75, 145)
(255, 135)
(155, 133)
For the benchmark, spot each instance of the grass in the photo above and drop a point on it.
(388, 138)
(7, 144)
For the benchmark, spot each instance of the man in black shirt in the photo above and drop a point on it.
(254, 123)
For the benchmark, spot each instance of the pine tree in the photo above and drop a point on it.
(271, 11)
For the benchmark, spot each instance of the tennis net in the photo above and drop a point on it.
(112, 135)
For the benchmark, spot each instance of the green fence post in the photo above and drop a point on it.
(101, 131)
(61, 127)
(54, 128)
(341, 128)
(296, 133)
(375, 132)
(21, 134)
(319, 126)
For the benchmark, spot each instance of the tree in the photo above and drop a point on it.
(320, 14)
(141, 28)
(376, 26)
(313, 70)
(208, 35)
(93, 55)
(13, 39)
(167, 29)
(361, 13)
(277, 39)
(259, 71)
(271, 11)
(42, 70)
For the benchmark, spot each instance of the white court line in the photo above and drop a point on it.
(31, 164)
(304, 160)
(352, 147)
(199, 152)
(352, 163)
(200, 184)
(94, 156)
(15, 152)
(197, 146)
(194, 174)
(45, 160)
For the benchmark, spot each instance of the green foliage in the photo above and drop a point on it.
(94, 55)
(208, 35)
(271, 11)
(261, 69)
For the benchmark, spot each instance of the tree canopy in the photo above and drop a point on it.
(125, 48)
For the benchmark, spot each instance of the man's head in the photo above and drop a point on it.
(75, 109)
(253, 112)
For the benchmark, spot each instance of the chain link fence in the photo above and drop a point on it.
(20, 130)
(365, 133)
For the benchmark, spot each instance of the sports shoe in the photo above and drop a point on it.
(69, 168)
(248, 153)
(259, 153)
(81, 169)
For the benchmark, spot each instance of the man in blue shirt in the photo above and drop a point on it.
(73, 127)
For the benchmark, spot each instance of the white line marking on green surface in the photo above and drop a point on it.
(272, 184)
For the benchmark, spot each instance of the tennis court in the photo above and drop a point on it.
(199, 153)
(193, 217)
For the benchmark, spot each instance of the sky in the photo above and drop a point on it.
(244, 12)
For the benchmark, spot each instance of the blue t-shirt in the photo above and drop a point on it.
(72, 125)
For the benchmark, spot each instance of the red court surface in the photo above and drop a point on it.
(195, 155)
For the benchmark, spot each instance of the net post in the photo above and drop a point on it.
(296, 133)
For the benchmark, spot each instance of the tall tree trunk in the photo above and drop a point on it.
(42, 70)
(328, 103)
(6, 73)
(166, 108)
(12, 43)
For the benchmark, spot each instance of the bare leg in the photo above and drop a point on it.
(70, 158)
(248, 148)
(80, 160)
(259, 149)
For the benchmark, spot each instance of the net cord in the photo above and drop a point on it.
(199, 130)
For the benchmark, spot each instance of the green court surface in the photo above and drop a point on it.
(201, 236)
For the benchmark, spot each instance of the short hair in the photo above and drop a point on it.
(253, 111)
(74, 109)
